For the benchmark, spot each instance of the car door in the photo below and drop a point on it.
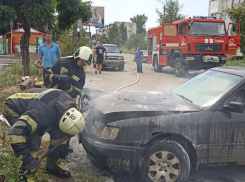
(227, 133)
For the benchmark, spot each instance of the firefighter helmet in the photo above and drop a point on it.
(84, 53)
(72, 122)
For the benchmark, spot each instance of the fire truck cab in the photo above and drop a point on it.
(192, 44)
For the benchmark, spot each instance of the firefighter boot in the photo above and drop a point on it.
(55, 168)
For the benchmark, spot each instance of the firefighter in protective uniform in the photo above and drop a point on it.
(68, 74)
(34, 112)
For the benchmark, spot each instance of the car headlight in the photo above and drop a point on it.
(121, 57)
(224, 58)
(104, 131)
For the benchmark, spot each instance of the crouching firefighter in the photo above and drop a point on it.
(68, 74)
(34, 112)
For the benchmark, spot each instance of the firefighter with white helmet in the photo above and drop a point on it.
(32, 113)
(68, 74)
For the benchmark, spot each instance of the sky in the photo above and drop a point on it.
(123, 10)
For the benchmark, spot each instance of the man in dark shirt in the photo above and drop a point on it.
(100, 52)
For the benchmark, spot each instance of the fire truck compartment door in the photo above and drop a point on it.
(154, 43)
(234, 37)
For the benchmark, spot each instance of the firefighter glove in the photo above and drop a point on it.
(30, 163)
(65, 78)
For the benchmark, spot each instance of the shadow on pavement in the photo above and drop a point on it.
(205, 174)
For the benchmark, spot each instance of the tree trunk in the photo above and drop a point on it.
(24, 44)
(75, 36)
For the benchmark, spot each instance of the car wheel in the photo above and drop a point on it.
(157, 68)
(178, 68)
(165, 161)
(121, 67)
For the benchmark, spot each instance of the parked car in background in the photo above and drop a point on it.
(163, 136)
(145, 56)
(114, 58)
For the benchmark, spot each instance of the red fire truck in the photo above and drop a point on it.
(192, 44)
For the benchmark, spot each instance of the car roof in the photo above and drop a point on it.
(235, 70)
(109, 45)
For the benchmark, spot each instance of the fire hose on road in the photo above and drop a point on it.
(130, 84)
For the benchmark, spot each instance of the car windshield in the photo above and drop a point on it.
(206, 89)
(207, 29)
(111, 48)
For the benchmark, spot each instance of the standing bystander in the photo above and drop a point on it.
(49, 52)
(100, 51)
(138, 58)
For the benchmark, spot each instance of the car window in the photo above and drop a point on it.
(206, 89)
(111, 49)
(238, 97)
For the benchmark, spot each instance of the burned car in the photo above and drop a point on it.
(164, 136)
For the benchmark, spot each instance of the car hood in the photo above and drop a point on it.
(113, 54)
(142, 102)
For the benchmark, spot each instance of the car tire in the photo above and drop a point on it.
(172, 162)
(121, 67)
(179, 71)
(157, 68)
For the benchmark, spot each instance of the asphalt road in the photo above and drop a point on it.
(111, 79)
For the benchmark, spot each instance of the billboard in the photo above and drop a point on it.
(97, 20)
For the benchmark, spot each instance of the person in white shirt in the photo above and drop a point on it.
(96, 17)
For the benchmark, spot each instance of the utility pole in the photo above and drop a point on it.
(11, 39)
(164, 11)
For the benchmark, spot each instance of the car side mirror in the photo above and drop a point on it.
(236, 107)
(120, 52)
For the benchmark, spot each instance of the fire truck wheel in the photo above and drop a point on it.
(157, 68)
(178, 68)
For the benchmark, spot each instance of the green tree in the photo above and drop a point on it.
(123, 32)
(238, 15)
(39, 13)
(114, 35)
(140, 21)
(27, 12)
(170, 13)
(6, 14)
(69, 12)
(136, 40)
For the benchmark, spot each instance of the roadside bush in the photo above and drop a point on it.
(136, 40)
(66, 43)
(235, 63)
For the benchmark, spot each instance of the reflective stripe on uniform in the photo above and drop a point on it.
(75, 77)
(9, 112)
(14, 139)
(63, 70)
(23, 96)
(36, 154)
(50, 78)
(30, 121)
(55, 141)
(45, 92)
(69, 90)
(56, 86)
(78, 89)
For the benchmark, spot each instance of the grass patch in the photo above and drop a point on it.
(235, 63)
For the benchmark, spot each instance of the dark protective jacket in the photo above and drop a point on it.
(39, 111)
(67, 66)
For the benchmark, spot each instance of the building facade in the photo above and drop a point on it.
(217, 8)
(131, 27)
